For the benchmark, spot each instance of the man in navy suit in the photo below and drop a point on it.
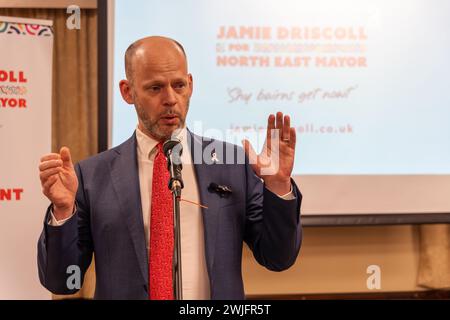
(102, 205)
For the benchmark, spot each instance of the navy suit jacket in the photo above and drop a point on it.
(109, 223)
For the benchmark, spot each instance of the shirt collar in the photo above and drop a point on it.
(146, 145)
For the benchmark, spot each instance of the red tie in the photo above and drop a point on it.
(161, 232)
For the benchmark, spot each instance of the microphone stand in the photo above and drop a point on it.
(175, 186)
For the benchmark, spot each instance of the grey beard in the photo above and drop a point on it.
(152, 127)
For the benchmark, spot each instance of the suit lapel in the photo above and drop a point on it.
(125, 177)
(205, 174)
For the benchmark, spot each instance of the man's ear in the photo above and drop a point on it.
(191, 83)
(125, 90)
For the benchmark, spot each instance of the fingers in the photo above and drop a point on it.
(270, 130)
(51, 156)
(293, 137)
(48, 184)
(279, 122)
(44, 175)
(282, 123)
(66, 157)
(50, 164)
(285, 134)
(271, 122)
(49, 168)
(49, 171)
(52, 160)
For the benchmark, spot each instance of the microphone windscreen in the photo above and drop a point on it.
(170, 144)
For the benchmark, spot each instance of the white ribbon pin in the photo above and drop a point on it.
(214, 158)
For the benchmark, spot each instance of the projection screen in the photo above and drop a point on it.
(365, 83)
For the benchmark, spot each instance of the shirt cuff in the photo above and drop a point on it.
(55, 223)
(287, 196)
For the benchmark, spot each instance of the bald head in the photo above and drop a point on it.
(152, 48)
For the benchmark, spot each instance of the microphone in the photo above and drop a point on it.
(223, 191)
(173, 149)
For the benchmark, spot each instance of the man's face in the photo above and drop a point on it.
(160, 89)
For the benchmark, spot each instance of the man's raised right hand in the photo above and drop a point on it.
(59, 182)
